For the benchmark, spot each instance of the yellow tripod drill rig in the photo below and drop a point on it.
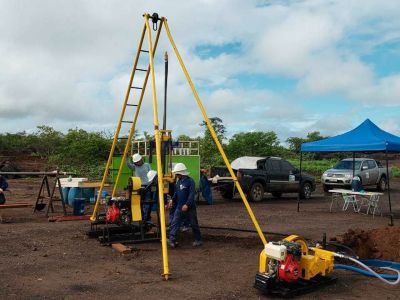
(158, 23)
(272, 254)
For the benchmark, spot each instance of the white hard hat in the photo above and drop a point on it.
(181, 169)
(151, 174)
(136, 157)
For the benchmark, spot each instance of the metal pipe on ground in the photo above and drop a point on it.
(52, 173)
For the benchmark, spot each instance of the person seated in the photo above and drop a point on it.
(3, 187)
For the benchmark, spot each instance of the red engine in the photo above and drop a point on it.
(113, 214)
(289, 269)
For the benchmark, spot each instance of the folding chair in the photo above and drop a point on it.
(336, 198)
(373, 205)
(350, 199)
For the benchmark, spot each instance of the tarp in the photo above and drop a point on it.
(245, 162)
(365, 137)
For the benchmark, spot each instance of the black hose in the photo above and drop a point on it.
(243, 230)
(336, 244)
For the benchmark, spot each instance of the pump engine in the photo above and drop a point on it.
(283, 261)
(289, 266)
(118, 211)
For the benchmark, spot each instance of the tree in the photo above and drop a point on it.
(295, 143)
(256, 143)
(209, 153)
(314, 136)
(184, 137)
(48, 141)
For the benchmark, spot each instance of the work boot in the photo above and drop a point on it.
(197, 243)
(171, 244)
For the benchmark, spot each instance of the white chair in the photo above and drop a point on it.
(336, 198)
(373, 205)
(350, 199)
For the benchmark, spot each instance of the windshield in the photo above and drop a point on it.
(347, 165)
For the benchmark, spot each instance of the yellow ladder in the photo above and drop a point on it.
(158, 23)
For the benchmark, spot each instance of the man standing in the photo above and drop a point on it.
(185, 206)
(141, 169)
(3, 187)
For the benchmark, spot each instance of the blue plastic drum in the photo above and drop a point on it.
(73, 193)
(65, 191)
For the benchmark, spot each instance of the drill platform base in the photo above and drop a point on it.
(132, 234)
(270, 286)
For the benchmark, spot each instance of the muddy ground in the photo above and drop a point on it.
(42, 260)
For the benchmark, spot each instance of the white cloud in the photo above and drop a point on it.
(67, 64)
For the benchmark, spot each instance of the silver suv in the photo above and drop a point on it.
(370, 171)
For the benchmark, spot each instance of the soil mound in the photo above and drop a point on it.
(382, 243)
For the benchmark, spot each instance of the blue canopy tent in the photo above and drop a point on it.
(366, 137)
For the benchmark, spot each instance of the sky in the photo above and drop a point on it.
(291, 67)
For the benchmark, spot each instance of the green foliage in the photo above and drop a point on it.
(209, 153)
(14, 141)
(84, 152)
(184, 137)
(46, 141)
(294, 143)
(256, 143)
(395, 172)
(78, 151)
(314, 167)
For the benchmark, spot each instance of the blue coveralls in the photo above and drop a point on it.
(3, 186)
(184, 194)
(205, 189)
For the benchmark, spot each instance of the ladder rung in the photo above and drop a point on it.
(136, 87)
(144, 70)
(122, 138)
(131, 104)
(126, 122)
(144, 51)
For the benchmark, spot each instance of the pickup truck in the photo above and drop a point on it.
(258, 175)
(370, 172)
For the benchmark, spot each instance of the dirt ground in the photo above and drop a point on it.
(43, 260)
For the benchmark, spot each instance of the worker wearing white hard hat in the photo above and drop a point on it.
(180, 169)
(141, 169)
(184, 199)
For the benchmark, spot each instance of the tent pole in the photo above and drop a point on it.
(388, 185)
(354, 163)
(300, 177)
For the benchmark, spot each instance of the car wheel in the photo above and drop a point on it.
(306, 191)
(277, 194)
(326, 188)
(381, 186)
(256, 193)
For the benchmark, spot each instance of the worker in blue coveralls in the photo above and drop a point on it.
(141, 170)
(205, 187)
(184, 196)
(3, 187)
